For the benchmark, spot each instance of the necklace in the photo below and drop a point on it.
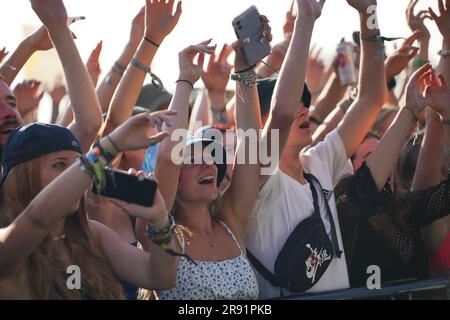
(61, 237)
(212, 243)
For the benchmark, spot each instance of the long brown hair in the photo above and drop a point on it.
(46, 272)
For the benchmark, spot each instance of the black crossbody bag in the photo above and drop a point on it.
(308, 251)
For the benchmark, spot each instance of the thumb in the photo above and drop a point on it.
(157, 138)
(238, 44)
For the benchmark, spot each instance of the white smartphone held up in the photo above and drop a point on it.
(248, 25)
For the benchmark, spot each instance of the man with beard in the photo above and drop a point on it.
(10, 118)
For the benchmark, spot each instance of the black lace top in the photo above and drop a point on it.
(381, 228)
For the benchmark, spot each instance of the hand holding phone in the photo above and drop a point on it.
(248, 26)
(133, 189)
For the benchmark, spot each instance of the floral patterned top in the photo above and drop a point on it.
(231, 279)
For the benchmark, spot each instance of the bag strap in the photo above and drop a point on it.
(269, 276)
(313, 182)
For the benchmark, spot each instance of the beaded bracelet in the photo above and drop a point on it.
(163, 238)
(156, 81)
(186, 81)
(247, 77)
(119, 68)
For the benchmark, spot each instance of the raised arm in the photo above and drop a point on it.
(167, 171)
(443, 23)
(87, 112)
(291, 80)
(107, 87)
(93, 69)
(38, 41)
(238, 205)
(200, 112)
(216, 78)
(328, 99)
(372, 80)
(56, 201)
(382, 161)
(159, 22)
(431, 157)
(57, 93)
(416, 24)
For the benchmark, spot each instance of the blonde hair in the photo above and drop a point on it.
(45, 270)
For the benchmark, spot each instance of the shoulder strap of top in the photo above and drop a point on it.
(231, 233)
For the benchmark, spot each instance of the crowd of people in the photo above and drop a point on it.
(357, 177)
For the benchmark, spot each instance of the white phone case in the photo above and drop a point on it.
(248, 25)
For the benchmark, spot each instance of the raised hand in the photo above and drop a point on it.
(137, 27)
(362, 5)
(289, 22)
(27, 96)
(415, 99)
(240, 62)
(218, 71)
(159, 19)
(400, 59)
(310, 8)
(40, 40)
(437, 95)
(141, 131)
(416, 21)
(443, 20)
(52, 13)
(93, 63)
(3, 54)
(189, 70)
(58, 92)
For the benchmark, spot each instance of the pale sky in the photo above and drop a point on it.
(109, 20)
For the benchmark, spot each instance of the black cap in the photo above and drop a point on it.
(265, 92)
(34, 140)
(153, 98)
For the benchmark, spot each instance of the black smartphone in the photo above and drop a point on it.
(129, 188)
(248, 25)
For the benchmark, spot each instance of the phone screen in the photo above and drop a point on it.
(131, 189)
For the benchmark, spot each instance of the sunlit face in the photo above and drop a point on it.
(53, 164)
(300, 134)
(364, 151)
(228, 138)
(9, 115)
(198, 182)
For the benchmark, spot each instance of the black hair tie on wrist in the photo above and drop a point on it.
(151, 41)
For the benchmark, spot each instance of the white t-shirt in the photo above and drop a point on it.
(283, 203)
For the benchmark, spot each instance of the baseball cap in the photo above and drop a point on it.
(34, 140)
(265, 93)
(219, 160)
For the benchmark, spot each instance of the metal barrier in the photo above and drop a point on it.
(418, 290)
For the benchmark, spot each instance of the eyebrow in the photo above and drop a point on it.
(10, 97)
(60, 158)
